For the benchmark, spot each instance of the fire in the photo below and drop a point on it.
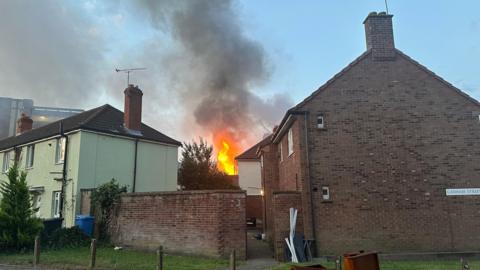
(226, 151)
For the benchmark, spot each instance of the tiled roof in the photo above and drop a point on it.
(104, 119)
(251, 153)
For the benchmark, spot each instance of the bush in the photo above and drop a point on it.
(65, 238)
(105, 196)
(18, 226)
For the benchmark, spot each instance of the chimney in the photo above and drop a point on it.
(133, 108)
(25, 123)
(379, 35)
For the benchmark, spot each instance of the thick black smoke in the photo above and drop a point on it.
(221, 66)
(56, 53)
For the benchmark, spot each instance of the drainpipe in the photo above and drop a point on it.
(64, 171)
(312, 214)
(135, 166)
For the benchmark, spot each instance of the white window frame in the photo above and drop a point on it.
(320, 121)
(56, 199)
(290, 141)
(6, 162)
(261, 160)
(30, 156)
(60, 150)
(281, 151)
(325, 193)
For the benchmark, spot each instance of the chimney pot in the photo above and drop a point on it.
(379, 36)
(133, 108)
(25, 123)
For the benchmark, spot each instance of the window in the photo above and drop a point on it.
(326, 193)
(290, 142)
(37, 201)
(60, 150)
(320, 122)
(6, 162)
(56, 204)
(281, 151)
(30, 156)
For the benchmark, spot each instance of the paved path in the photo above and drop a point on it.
(259, 254)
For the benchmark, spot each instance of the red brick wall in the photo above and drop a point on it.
(254, 208)
(290, 175)
(269, 184)
(395, 138)
(209, 223)
(282, 202)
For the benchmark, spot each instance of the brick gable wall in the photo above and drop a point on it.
(396, 137)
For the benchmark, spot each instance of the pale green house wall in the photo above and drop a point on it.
(93, 159)
(46, 173)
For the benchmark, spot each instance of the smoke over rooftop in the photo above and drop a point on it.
(202, 67)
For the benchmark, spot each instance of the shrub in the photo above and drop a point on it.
(65, 238)
(105, 196)
(18, 226)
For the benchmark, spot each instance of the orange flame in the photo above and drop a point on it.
(227, 150)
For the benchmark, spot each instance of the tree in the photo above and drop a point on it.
(18, 226)
(199, 171)
(105, 196)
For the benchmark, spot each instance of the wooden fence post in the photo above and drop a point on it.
(233, 262)
(36, 251)
(93, 254)
(160, 258)
(338, 263)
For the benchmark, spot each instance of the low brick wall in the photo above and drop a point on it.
(207, 223)
(282, 202)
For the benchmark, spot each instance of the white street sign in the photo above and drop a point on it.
(462, 191)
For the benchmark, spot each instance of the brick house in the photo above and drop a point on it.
(367, 158)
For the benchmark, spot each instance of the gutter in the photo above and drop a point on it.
(285, 122)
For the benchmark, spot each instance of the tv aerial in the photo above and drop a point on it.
(128, 71)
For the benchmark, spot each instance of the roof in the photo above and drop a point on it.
(104, 119)
(297, 108)
(251, 153)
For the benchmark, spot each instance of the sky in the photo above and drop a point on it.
(212, 63)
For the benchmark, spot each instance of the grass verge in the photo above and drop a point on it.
(107, 258)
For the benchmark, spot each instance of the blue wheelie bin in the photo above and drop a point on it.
(85, 223)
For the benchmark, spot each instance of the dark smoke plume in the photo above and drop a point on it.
(220, 67)
(202, 67)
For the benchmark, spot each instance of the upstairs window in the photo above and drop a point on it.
(325, 193)
(6, 162)
(290, 142)
(30, 156)
(60, 150)
(320, 122)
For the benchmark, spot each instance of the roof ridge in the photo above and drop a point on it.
(428, 71)
(332, 79)
(322, 87)
(95, 114)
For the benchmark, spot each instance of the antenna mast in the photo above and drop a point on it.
(386, 6)
(128, 70)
